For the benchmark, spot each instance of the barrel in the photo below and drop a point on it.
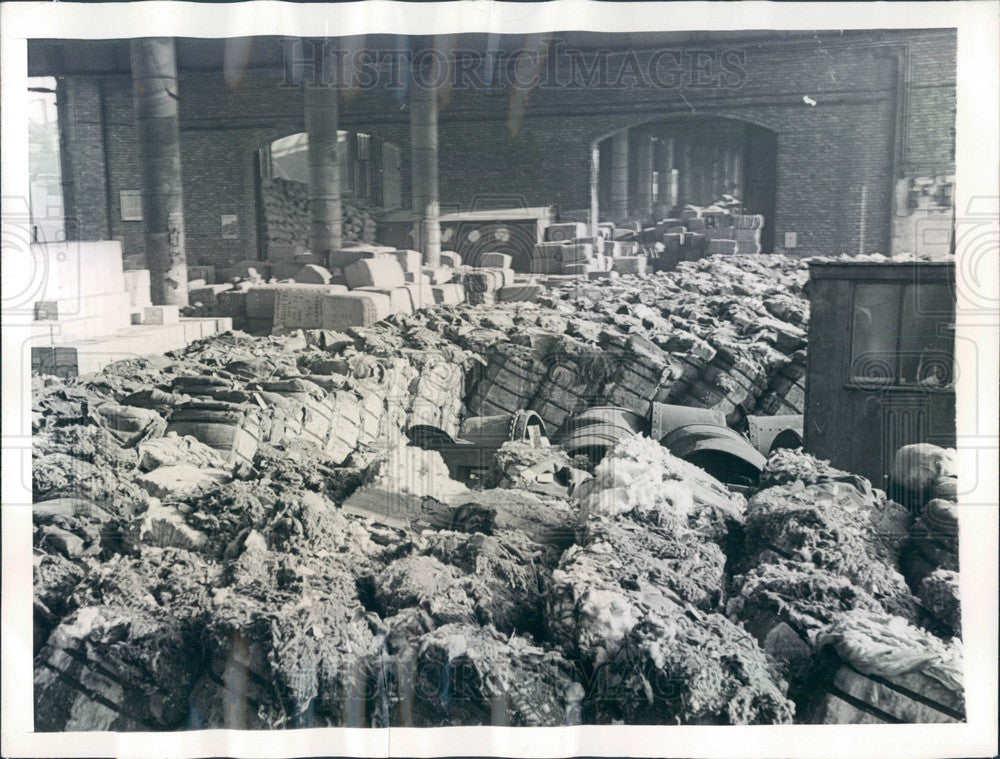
(231, 430)
(720, 451)
(597, 430)
(495, 430)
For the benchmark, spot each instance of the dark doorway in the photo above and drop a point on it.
(693, 161)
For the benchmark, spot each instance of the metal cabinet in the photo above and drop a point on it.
(881, 361)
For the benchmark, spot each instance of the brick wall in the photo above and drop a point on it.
(830, 155)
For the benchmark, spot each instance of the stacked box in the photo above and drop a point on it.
(410, 261)
(161, 315)
(519, 293)
(338, 260)
(421, 295)
(630, 265)
(496, 260)
(565, 231)
(75, 269)
(137, 284)
(486, 280)
(354, 309)
(374, 272)
(231, 303)
(260, 299)
(312, 274)
(721, 247)
(400, 301)
(85, 294)
(438, 275)
(92, 355)
(448, 294)
(301, 307)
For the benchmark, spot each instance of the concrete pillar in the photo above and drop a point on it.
(645, 168)
(424, 162)
(154, 86)
(325, 213)
(595, 176)
(619, 175)
(687, 173)
(664, 165)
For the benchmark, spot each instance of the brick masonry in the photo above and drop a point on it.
(490, 152)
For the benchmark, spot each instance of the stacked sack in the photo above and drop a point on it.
(820, 588)
(652, 623)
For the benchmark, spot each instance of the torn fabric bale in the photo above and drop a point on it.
(473, 675)
(889, 672)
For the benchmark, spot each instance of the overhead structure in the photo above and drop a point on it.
(157, 105)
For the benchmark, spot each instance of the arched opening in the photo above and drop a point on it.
(370, 178)
(651, 171)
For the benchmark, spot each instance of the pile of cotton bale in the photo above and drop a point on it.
(286, 215)
(568, 249)
(250, 510)
(368, 284)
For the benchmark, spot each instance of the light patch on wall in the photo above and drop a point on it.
(230, 226)
(236, 60)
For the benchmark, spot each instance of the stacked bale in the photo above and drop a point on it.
(509, 381)
(637, 622)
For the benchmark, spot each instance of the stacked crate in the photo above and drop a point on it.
(86, 306)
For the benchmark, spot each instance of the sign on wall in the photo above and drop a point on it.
(229, 226)
(131, 204)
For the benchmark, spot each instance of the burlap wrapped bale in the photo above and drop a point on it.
(471, 675)
(939, 592)
(374, 272)
(503, 574)
(115, 668)
(889, 672)
(826, 526)
(426, 583)
(354, 309)
(681, 668)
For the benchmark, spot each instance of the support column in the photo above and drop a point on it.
(154, 86)
(646, 146)
(595, 176)
(619, 175)
(687, 173)
(424, 162)
(319, 106)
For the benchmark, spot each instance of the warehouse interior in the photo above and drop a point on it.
(512, 380)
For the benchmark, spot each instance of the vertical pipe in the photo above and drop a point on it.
(319, 106)
(668, 191)
(619, 175)
(863, 220)
(685, 177)
(424, 162)
(595, 174)
(154, 85)
(646, 146)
